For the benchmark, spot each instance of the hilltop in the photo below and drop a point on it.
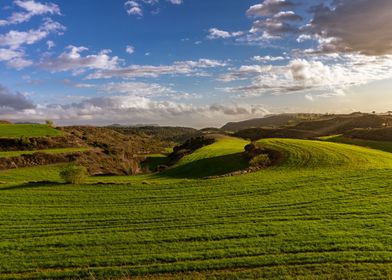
(321, 126)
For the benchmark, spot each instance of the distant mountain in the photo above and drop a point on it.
(271, 121)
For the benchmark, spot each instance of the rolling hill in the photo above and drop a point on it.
(272, 121)
(323, 211)
(324, 126)
(27, 130)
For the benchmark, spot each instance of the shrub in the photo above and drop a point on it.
(260, 161)
(74, 174)
(49, 123)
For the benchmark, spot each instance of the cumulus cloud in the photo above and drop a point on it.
(244, 72)
(129, 109)
(215, 33)
(31, 8)
(329, 74)
(189, 67)
(72, 60)
(267, 58)
(14, 101)
(15, 39)
(136, 7)
(130, 49)
(269, 8)
(14, 58)
(354, 26)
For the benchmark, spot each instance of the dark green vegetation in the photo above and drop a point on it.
(379, 145)
(323, 212)
(357, 125)
(4, 154)
(272, 121)
(163, 133)
(27, 130)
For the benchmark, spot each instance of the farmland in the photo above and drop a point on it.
(27, 130)
(323, 211)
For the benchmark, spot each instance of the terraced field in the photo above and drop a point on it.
(323, 213)
(27, 130)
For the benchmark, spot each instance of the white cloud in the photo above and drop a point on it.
(189, 67)
(32, 8)
(215, 33)
(269, 8)
(130, 49)
(72, 60)
(137, 89)
(268, 58)
(135, 109)
(133, 8)
(50, 44)
(244, 72)
(327, 74)
(136, 7)
(15, 39)
(176, 2)
(14, 58)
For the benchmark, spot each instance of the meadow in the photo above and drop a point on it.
(324, 212)
(29, 130)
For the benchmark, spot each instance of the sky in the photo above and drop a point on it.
(192, 63)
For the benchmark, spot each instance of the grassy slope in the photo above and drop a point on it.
(28, 130)
(221, 157)
(324, 212)
(48, 151)
(378, 145)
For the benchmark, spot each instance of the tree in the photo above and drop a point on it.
(49, 123)
(74, 174)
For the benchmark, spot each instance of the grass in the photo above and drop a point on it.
(27, 130)
(221, 157)
(378, 145)
(325, 212)
(48, 151)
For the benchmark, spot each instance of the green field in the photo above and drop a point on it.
(48, 151)
(27, 130)
(323, 213)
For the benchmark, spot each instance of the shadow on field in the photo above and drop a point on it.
(214, 166)
(30, 185)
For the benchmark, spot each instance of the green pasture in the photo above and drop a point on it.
(324, 212)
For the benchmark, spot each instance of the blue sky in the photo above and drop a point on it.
(191, 62)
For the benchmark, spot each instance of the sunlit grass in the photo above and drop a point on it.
(323, 213)
(27, 130)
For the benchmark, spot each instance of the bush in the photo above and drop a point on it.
(74, 174)
(260, 161)
(49, 123)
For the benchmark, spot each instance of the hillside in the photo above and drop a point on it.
(377, 134)
(342, 124)
(324, 126)
(273, 121)
(222, 157)
(27, 130)
(322, 210)
(101, 150)
(162, 133)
